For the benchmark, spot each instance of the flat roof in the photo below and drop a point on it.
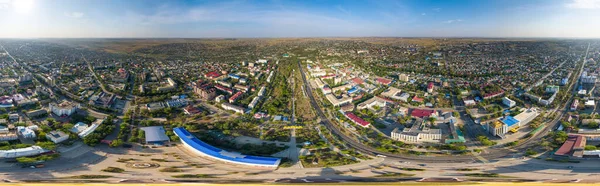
(155, 134)
(510, 121)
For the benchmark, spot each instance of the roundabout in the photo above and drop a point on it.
(142, 165)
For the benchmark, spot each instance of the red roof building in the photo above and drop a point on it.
(212, 75)
(357, 81)
(357, 120)
(417, 99)
(191, 110)
(383, 81)
(430, 87)
(493, 95)
(421, 113)
(235, 97)
(574, 146)
(328, 76)
(224, 89)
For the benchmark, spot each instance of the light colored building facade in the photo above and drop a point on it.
(64, 108)
(508, 102)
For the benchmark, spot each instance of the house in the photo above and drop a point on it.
(403, 111)
(404, 97)
(57, 136)
(26, 132)
(78, 127)
(430, 87)
(191, 110)
(469, 102)
(417, 99)
(422, 113)
(574, 105)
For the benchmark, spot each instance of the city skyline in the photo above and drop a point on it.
(272, 19)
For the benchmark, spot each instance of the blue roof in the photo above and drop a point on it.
(510, 121)
(352, 90)
(217, 153)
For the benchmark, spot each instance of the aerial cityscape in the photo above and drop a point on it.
(187, 92)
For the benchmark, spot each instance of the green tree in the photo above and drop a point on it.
(590, 147)
(116, 143)
(48, 145)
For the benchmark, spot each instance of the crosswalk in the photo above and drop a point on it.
(483, 160)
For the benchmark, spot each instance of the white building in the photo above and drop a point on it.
(404, 97)
(26, 132)
(590, 103)
(57, 136)
(417, 133)
(219, 98)
(392, 92)
(78, 127)
(64, 109)
(237, 109)
(15, 153)
(262, 91)
(253, 103)
(87, 131)
(527, 116)
(552, 89)
(338, 102)
(403, 77)
(508, 102)
(318, 73)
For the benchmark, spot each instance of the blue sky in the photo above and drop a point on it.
(309, 18)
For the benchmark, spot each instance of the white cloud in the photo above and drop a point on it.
(4, 4)
(584, 4)
(423, 14)
(453, 21)
(437, 9)
(264, 22)
(74, 14)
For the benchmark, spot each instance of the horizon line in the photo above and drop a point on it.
(315, 37)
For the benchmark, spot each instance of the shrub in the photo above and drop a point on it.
(113, 170)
